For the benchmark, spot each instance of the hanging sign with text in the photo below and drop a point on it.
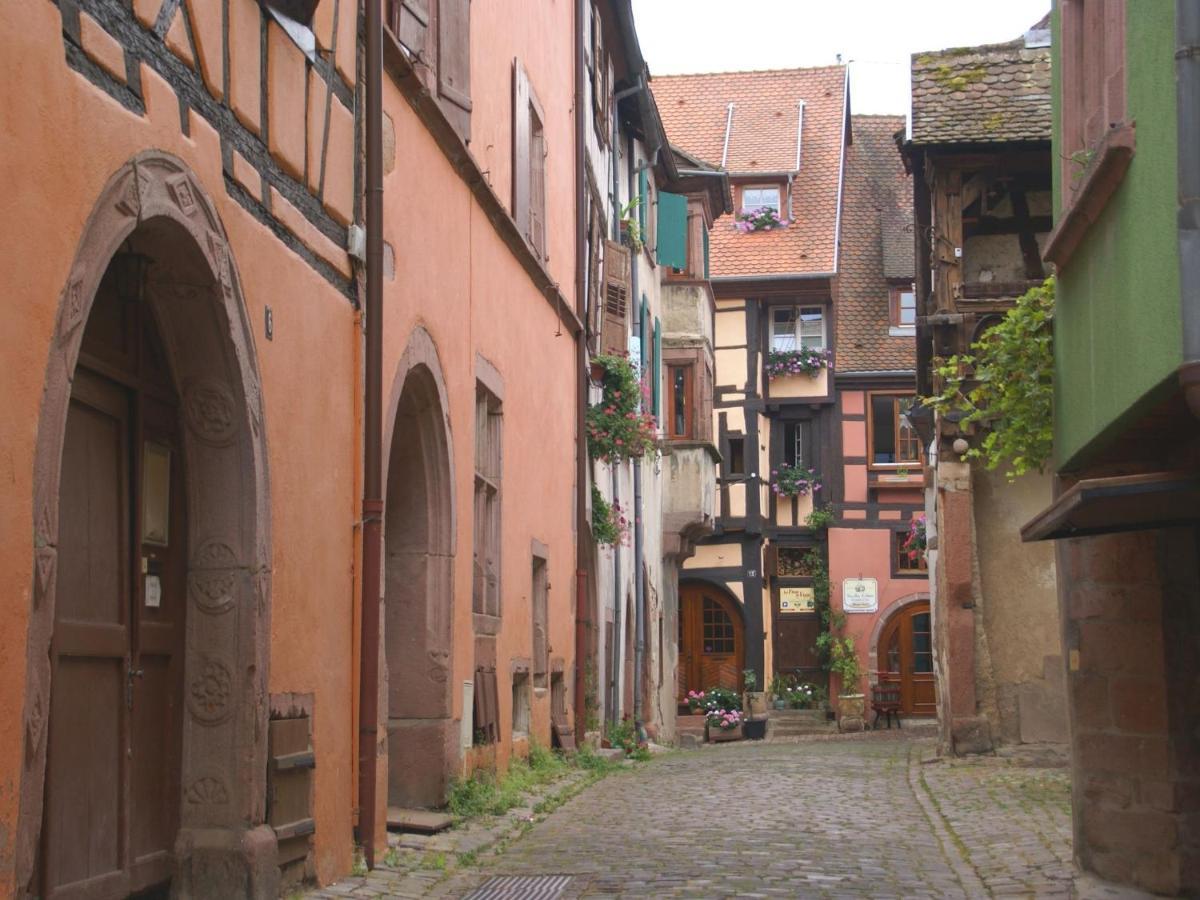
(797, 600)
(860, 595)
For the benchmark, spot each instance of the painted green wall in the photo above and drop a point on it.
(1118, 336)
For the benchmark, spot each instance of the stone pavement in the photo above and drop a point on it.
(843, 817)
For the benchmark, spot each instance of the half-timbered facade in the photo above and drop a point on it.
(979, 155)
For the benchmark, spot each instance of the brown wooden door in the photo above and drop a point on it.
(906, 658)
(112, 770)
(711, 644)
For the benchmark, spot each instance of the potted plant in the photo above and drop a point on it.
(794, 481)
(610, 524)
(631, 229)
(754, 702)
(843, 662)
(724, 725)
(780, 685)
(695, 702)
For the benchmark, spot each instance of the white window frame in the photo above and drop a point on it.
(795, 338)
(746, 191)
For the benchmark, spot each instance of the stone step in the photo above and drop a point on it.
(421, 821)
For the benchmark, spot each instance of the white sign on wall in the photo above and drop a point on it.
(860, 595)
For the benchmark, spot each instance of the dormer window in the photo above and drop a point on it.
(760, 198)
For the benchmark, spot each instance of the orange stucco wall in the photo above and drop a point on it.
(866, 553)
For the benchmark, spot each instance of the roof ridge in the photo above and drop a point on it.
(780, 71)
(1017, 43)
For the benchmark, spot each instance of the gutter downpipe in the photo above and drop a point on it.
(1187, 80)
(583, 607)
(372, 507)
(639, 588)
(837, 225)
(616, 651)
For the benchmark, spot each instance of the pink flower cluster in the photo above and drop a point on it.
(725, 719)
(760, 218)
(781, 363)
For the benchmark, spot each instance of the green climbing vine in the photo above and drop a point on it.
(1006, 386)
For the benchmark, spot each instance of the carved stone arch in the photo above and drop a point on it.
(158, 205)
(418, 581)
(881, 622)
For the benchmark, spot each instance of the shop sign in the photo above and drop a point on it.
(860, 595)
(797, 600)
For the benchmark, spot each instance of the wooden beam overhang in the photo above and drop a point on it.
(1121, 503)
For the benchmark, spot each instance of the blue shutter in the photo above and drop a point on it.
(706, 275)
(671, 245)
(645, 337)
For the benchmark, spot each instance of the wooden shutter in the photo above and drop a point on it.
(704, 401)
(454, 63)
(614, 337)
(520, 153)
(671, 245)
(537, 188)
(409, 20)
(595, 313)
(600, 85)
(290, 786)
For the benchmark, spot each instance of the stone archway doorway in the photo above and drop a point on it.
(145, 711)
(423, 736)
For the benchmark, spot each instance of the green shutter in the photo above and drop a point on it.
(672, 230)
(706, 275)
(644, 197)
(644, 336)
(657, 390)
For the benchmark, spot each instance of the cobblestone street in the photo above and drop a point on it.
(861, 817)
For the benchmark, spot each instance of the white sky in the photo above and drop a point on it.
(876, 37)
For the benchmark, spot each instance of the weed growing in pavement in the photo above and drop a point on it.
(436, 861)
(393, 859)
(359, 867)
(483, 794)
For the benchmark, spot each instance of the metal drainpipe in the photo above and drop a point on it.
(1187, 80)
(618, 638)
(583, 609)
(372, 506)
(639, 588)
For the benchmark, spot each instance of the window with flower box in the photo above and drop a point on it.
(797, 328)
(903, 560)
(760, 198)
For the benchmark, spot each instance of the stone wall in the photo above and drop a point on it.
(1130, 614)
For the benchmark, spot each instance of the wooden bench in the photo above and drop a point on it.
(885, 701)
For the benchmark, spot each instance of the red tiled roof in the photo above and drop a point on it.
(877, 194)
(694, 111)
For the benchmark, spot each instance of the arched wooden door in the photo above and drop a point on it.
(112, 785)
(711, 643)
(906, 658)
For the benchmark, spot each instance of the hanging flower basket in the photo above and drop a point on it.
(610, 524)
(617, 427)
(761, 218)
(794, 481)
(781, 363)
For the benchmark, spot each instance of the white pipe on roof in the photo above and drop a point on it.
(728, 129)
(799, 133)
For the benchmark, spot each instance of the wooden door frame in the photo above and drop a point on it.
(205, 330)
(732, 605)
(883, 624)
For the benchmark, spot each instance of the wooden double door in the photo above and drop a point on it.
(112, 791)
(905, 654)
(711, 641)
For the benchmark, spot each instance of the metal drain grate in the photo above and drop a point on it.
(521, 887)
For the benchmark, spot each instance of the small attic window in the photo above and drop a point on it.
(760, 198)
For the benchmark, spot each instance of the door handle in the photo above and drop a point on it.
(130, 674)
